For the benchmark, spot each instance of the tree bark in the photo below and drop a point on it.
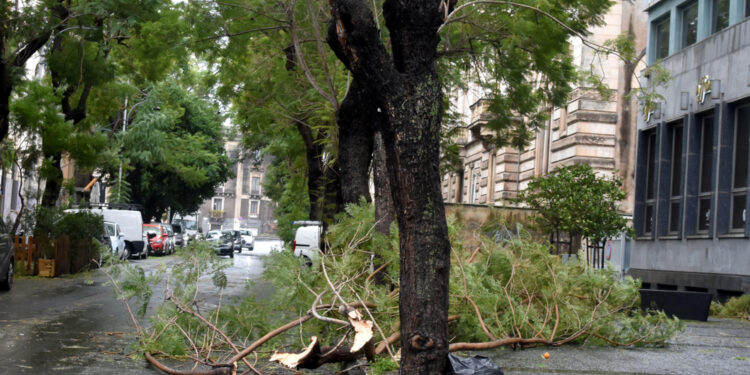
(384, 210)
(407, 90)
(355, 122)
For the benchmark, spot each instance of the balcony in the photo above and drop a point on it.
(216, 214)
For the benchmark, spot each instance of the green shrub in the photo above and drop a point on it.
(735, 307)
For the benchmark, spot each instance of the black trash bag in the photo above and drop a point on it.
(476, 365)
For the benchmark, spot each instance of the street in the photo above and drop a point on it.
(74, 325)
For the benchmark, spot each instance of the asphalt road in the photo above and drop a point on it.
(74, 325)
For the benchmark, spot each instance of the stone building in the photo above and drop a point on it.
(239, 203)
(590, 129)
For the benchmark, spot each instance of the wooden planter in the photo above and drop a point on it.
(47, 267)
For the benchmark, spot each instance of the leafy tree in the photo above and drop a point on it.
(402, 77)
(89, 58)
(23, 32)
(176, 153)
(576, 200)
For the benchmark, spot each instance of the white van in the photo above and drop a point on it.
(131, 225)
(307, 239)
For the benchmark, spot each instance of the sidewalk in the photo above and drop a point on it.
(716, 347)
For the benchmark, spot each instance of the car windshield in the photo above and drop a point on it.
(110, 228)
(245, 233)
(147, 230)
(177, 228)
(213, 235)
(227, 235)
(186, 224)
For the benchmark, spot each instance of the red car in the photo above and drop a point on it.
(158, 238)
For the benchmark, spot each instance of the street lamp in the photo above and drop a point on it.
(124, 127)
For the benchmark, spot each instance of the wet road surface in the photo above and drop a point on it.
(74, 325)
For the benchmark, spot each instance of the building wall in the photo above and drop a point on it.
(243, 204)
(679, 244)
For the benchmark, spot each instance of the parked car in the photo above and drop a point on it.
(179, 236)
(224, 243)
(236, 239)
(116, 240)
(6, 259)
(307, 240)
(131, 224)
(248, 241)
(171, 245)
(213, 235)
(157, 237)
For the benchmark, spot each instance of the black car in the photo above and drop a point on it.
(224, 245)
(179, 237)
(236, 238)
(6, 259)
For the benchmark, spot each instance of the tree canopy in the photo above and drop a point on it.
(576, 200)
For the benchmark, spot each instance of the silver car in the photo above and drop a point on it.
(116, 240)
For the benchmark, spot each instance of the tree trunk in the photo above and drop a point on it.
(53, 185)
(5, 91)
(355, 118)
(407, 90)
(384, 210)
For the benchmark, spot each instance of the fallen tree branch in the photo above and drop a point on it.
(219, 370)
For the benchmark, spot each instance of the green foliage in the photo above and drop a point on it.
(519, 58)
(382, 365)
(197, 262)
(576, 200)
(176, 153)
(53, 222)
(735, 307)
(519, 288)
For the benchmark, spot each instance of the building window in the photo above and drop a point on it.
(244, 208)
(740, 175)
(661, 28)
(675, 194)
(648, 216)
(255, 189)
(253, 207)
(689, 24)
(719, 15)
(218, 204)
(246, 178)
(474, 186)
(705, 175)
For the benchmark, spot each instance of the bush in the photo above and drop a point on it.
(735, 307)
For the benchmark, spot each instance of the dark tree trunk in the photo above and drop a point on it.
(355, 120)
(53, 185)
(384, 210)
(322, 180)
(13, 68)
(5, 91)
(407, 90)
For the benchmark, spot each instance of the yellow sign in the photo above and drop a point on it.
(704, 88)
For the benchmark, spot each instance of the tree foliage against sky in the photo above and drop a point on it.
(176, 153)
(99, 54)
